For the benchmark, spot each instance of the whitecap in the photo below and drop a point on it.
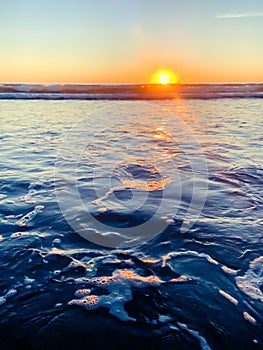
(189, 253)
(252, 281)
(228, 270)
(228, 297)
(30, 216)
(9, 294)
(249, 318)
(195, 334)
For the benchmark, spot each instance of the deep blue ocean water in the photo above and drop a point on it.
(200, 288)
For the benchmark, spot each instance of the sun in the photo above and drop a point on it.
(164, 77)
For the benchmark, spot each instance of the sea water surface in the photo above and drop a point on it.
(199, 289)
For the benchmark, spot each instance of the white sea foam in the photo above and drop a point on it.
(164, 318)
(203, 342)
(30, 216)
(228, 297)
(119, 287)
(2, 300)
(28, 280)
(189, 253)
(9, 294)
(56, 241)
(249, 318)
(228, 270)
(251, 282)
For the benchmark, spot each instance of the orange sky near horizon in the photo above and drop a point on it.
(186, 74)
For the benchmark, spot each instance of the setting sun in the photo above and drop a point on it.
(164, 77)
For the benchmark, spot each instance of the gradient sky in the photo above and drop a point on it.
(126, 41)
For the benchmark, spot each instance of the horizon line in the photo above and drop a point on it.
(115, 84)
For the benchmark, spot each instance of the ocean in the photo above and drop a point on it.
(131, 217)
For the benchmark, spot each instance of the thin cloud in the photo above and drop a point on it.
(240, 15)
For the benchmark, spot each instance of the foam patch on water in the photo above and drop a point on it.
(2, 300)
(9, 294)
(28, 281)
(252, 281)
(188, 253)
(56, 241)
(119, 287)
(249, 318)
(17, 234)
(195, 334)
(164, 318)
(30, 216)
(228, 270)
(228, 297)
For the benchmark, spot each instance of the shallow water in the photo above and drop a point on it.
(193, 289)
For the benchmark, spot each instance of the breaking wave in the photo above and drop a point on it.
(129, 92)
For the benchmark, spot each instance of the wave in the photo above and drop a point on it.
(129, 92)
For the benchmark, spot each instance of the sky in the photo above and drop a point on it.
(126, 41)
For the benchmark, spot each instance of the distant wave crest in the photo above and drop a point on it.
(129, 92)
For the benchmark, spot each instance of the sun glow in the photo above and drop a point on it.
(164, 77)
